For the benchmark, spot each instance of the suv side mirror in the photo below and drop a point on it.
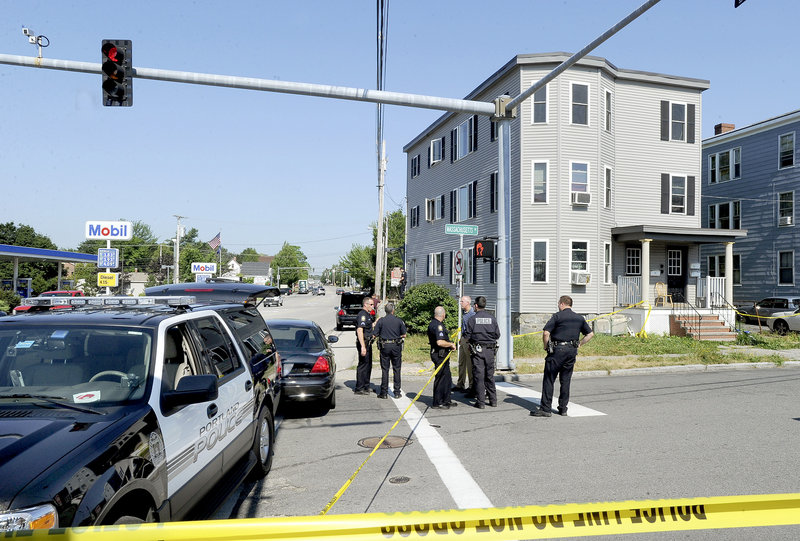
(191, 390)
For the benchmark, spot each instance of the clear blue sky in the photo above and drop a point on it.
(264, 168)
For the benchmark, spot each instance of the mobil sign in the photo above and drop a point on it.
(109, 230)
(203, 268)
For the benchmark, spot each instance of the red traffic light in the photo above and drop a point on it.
(117, 84)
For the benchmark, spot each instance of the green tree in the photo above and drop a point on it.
(44, 274)
(416, 308)
(194, 250)
(248, 255)
(290, 256)
(359, 263)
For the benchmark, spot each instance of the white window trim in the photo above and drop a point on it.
(778, 268)
(685, 120)
(607, 204)
(588, 254)
(779, 209)
(546, 106)
(608, 263)
(608, 125)
(794, 149)
(435, 270)
(441, 151)
(588, 175)
(546, 182)
(730, 205)
(430, 216)
(588, 103)
(685, 193)
(626, 260)
(731, 164)
(546, 261)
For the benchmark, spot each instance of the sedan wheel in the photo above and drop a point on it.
(781, 327)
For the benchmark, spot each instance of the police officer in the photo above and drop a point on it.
(438, 338)
(364, 346)
(482, 332)
(560, 338)
(390, 331)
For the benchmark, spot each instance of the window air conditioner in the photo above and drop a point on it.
(579, 278)
(581, 198)
(785, 220)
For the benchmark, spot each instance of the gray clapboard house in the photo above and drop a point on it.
(751, 180)
(605, 192)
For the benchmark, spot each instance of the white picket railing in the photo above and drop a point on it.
(629, 290)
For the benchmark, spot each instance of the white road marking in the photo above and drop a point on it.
(573, 409)
(463, 488)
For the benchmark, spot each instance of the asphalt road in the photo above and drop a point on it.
(667, 435)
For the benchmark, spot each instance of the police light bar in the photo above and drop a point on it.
(174, 300)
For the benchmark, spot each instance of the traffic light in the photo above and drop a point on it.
(484, 249)
(117, 73)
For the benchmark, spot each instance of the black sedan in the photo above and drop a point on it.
(308, 368)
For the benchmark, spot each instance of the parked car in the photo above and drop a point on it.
(349, 307)
(308, 368)
(273, 301)
(768, 307)
(286, 290)
(339, 290)
(132, 409)
(783, 322)
(47, 294)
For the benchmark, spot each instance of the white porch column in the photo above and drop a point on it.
(729, 273)
(646, 269)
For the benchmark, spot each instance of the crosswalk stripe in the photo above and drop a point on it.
(573, 409)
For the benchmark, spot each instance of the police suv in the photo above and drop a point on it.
(131, 409)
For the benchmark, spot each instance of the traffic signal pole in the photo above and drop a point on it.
(501, 110)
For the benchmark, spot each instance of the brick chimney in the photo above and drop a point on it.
(723, 128)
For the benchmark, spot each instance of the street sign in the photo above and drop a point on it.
(458, 229)
(108, 258)
(107, 279)
(459, 262)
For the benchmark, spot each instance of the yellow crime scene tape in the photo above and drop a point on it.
(519, 522)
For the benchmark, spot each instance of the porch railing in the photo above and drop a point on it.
(629, 290)
(712, 290)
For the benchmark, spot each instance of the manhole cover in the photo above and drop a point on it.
(389, 443)
(400, 479)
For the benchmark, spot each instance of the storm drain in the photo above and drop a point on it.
(390, 442)
(400, 479)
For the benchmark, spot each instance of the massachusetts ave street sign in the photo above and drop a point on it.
(457, 229)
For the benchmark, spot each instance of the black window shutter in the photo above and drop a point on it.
(665, 203)
(452, 145)
(474, 198)
(690, 123)
(428, 268)
(690, 196)
(664, 120)
(443, 149)
(492, 190)
(492, 129)
(444, 263)
(442, 213)
(474, 133)
(429, 156)
(453, 206)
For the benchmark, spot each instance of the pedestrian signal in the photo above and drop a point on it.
(117, 72)
(484, 249)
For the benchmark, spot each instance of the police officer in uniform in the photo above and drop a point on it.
(364, 346)
(482, 332)
(560, 338)
(390, 331)
(441, 346)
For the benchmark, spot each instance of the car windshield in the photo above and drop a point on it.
(83, 365)
(295, 338)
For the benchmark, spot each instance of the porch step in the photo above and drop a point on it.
(708, 327)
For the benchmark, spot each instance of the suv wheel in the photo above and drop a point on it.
(262, 446)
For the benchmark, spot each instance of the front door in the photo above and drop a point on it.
(676, 273)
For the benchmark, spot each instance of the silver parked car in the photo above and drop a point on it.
(766, 308)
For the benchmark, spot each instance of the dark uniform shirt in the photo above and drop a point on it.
(567, 326)
(437, 331)
(482, 328)
(364, 321)
(389, 327)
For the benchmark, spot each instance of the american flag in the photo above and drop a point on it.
(215, 242)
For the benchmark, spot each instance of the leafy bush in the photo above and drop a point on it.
(9, 301)
(416, 308)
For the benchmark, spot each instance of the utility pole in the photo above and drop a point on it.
(176, 275)
(379, 270)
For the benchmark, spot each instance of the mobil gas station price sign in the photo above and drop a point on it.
(108, 258)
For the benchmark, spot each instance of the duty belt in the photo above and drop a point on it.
(391, 341)
(573, 343)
